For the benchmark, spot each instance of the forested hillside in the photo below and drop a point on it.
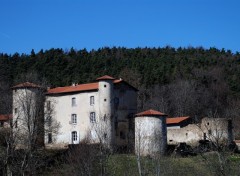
(151, 65)
(177, 81)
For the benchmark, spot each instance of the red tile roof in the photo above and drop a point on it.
(82, 87)
(150, 112)
(174, 120)
(5, 117)
(26, 85)
(105, 77)
(77, 88)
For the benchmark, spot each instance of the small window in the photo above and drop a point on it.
(15, 110)
(48, 105)
(74, 103)
(209, 132)
(105, 99)
(49, 138)
(2, 124)
(92, 117)
(49, 121)
(74, 136)
(105, 135)
(16, 124)
(105, 85)
(92, 100)
(204, 136)
(74, 118)
(122, 135)
(208, 123)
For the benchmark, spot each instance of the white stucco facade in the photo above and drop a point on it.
(111, 103)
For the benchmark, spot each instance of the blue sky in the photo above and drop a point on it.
(91, 24)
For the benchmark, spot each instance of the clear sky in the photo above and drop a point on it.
(91, 24)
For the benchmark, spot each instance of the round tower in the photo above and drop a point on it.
(28, 108)
(106, 111)
(150, 133)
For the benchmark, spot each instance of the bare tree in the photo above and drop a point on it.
(149, 143)
(25, 138)
(94, 150)
(218, 131)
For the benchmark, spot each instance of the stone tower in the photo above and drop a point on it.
(106, 110)
(28, 114)
(150, 133)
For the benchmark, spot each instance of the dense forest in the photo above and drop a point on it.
(178, 81)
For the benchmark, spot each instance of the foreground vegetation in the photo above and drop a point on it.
(123, 164)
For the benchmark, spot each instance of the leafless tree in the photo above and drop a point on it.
(25, 139)
(148, 144)
(158, 98)
(94, 150)
(218, 131)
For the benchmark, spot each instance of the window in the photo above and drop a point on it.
(48, 105)
(74, 136)
(92, 100)
(15, 110)
(122, 135)
(92, 117)
(105, 135)
(105, 85)
(204, 136)
(74, 103)
(74, 118)
(2, 124)
(209, 132)
(49, 121)
(49, 138)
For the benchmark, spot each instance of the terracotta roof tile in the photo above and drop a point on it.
(151, 112)
(26, 85)
(5, 117)
(77, 88)
(174, 120)
(105, 77)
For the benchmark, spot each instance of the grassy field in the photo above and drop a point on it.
(126, 165)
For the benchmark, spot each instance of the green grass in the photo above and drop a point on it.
(126, 165)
